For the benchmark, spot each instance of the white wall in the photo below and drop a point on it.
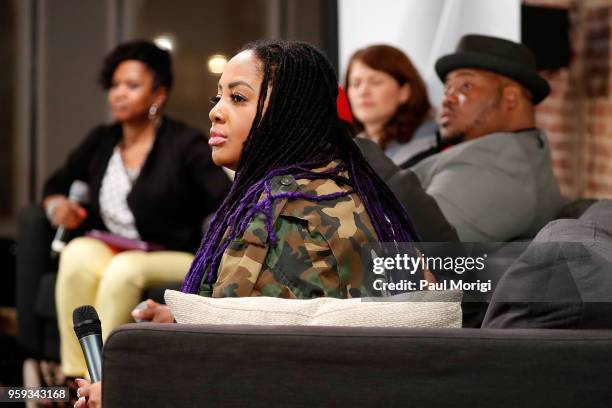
(423, 29)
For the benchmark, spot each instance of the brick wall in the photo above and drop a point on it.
(578, 114)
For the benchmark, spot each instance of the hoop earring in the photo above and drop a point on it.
(153, 111)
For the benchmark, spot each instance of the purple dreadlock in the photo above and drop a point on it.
(299, 131)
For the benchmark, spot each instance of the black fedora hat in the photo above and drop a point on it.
(498, 55)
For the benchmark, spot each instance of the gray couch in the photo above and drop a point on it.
(148, 365)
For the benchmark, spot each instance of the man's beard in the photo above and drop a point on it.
(483, 118)
(454, 136)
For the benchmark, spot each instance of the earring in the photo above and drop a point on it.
(153, 111)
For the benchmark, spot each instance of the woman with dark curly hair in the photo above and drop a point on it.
(388, 98)
(150, 178)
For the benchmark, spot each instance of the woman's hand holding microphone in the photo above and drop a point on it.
(63, 212)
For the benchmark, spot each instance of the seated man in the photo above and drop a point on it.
(497, 184)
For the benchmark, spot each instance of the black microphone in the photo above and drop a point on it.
(79, 193)
(89, 332)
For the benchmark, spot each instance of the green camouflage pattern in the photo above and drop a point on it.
(318, 250)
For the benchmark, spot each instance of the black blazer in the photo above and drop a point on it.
(177, 187)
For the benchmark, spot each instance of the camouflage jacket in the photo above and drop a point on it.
(318, 250)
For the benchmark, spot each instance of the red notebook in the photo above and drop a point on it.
(119, 243)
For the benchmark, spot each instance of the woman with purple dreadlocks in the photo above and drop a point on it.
(304, 202)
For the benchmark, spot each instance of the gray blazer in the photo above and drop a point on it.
(494, 188)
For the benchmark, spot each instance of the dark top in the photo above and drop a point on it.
(177, 187)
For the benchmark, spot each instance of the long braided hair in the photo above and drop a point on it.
(298, 132)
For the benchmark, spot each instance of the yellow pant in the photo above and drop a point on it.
(90, 274)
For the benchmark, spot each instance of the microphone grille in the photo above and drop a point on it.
(85, 320)
(79, 192)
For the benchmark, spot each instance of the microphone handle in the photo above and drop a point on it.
(59, 241)
(92, 350)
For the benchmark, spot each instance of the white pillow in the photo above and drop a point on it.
(416, 309)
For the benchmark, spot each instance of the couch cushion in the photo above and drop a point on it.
(417, 309)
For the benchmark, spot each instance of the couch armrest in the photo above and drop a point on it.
(149, 365)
